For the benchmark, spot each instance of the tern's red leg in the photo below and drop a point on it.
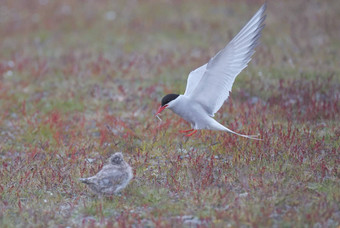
(192, 133)
(186, 131)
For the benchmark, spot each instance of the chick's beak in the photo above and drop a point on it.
(161, 108)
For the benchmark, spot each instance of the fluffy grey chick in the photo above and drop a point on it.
(113, 177)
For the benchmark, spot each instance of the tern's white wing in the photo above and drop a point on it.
(194, 78)
(216, 82)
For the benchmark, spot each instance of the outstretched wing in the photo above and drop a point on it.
(194, 78)
(216, 81)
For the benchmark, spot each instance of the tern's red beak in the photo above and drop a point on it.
(161, 108)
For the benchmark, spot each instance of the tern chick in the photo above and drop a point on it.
(112, 178)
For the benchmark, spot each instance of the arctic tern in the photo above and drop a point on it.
(209, 85)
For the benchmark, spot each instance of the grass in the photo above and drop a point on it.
(80, 81)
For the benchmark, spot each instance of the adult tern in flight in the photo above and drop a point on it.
(209, 85)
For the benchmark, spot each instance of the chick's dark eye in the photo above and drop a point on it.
(116, 160)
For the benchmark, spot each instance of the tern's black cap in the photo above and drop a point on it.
(167, 98)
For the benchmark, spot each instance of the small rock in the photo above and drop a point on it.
(242, 195)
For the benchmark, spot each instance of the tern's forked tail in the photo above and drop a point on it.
(220, 127)
(245, 136)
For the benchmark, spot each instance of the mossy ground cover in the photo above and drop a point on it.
(82, 79)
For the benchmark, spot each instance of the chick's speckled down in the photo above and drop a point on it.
(112, 178)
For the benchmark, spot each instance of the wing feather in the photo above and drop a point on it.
(194, 78)
(211, 83)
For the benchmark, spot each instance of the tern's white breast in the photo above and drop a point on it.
(191, 111)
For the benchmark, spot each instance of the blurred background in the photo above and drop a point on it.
(294, 32)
